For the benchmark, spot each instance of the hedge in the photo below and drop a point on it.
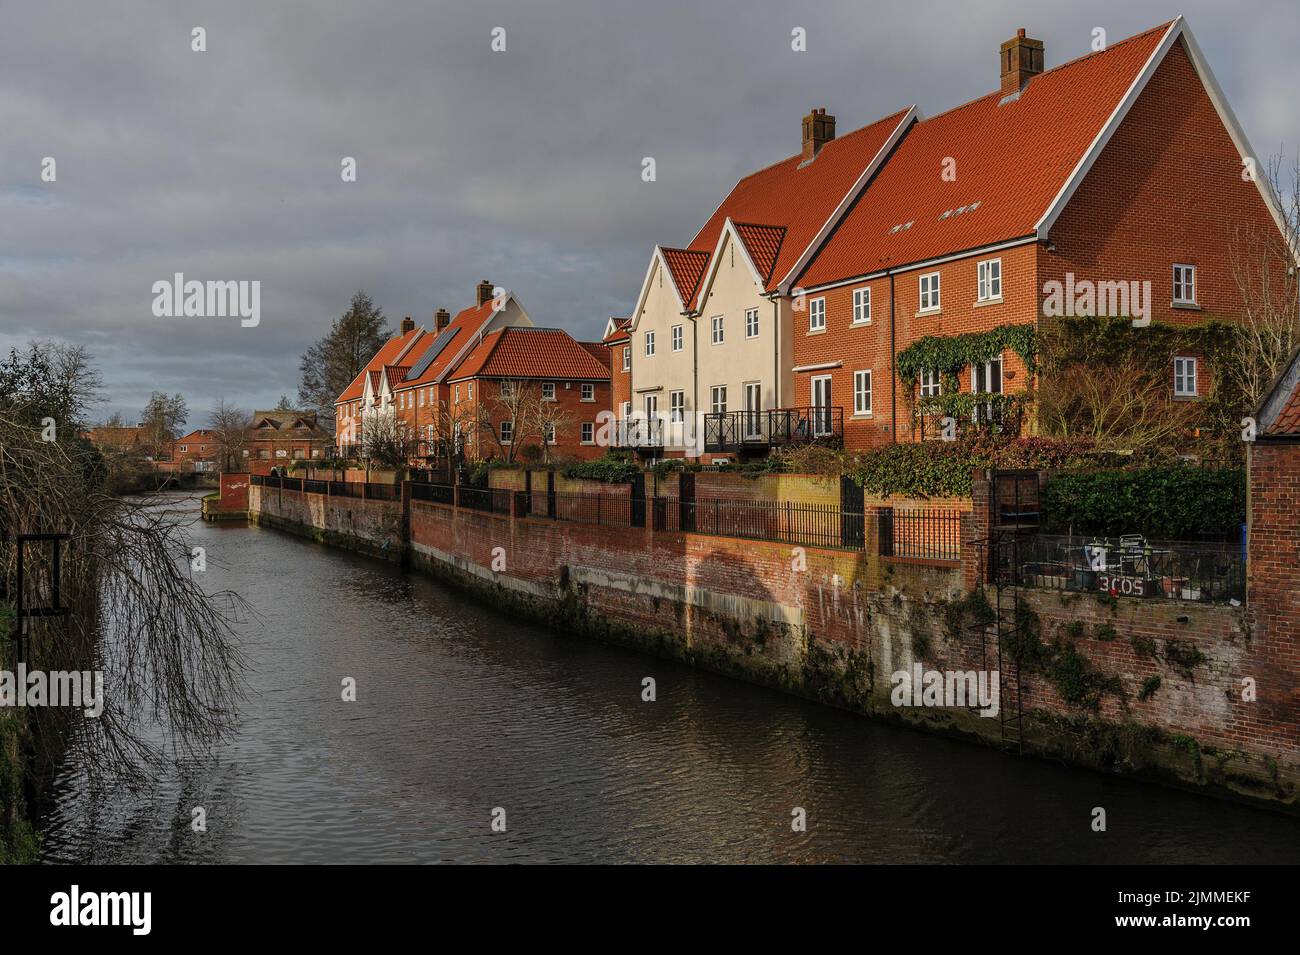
(1175, 502)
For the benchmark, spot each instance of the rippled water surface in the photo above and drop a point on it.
(461, 709)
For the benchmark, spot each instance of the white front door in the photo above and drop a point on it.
(986, 379)
(754, 408)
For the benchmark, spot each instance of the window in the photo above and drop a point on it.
(548, 433)
(717, 332)
(183, 448)
(627, 357)
(817, 315)
(930, 292)
(677, 338)
(588, 391)
(548, 391)
(588, 432)
(1185, 377)
(676, 406)
(1184, 285)
(751, 323)
(421, 398)
(862, 306)
(470, 390)
(649, 344)
(506, 390)
(931, 384)
(297, 454)
(455, 393)
(718, 399)
(862, 392)
(990, 280)
(627, 409)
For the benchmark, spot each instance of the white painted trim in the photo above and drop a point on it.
(656, 256)
(821, 366)
(715, 260)
(913, 115)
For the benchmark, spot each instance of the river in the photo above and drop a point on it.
(462, 710)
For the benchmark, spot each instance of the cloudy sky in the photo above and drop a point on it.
(523, 167)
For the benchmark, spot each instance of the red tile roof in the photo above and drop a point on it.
(797, 197)
(461, 329)
(395, 374)
(763, 243)
(686, 269)
(1287, 422)
(530, 353)
(386, 355)
(1012, 159)
(619, 332)
(598, 350)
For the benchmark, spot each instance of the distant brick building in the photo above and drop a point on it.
(197, 451)
(122, 440)
(278, 438)
(618, 339)
(521, 382)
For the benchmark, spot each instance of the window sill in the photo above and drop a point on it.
(588, 401)
(928, 311)
(1186, 306)
(861, 416)
(816, 331)
(1187, 397)
(981, 302)
(860, 324)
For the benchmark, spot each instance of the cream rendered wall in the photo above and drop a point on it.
(668, 370)
(738, 361)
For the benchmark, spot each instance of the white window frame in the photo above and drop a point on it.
(928, 289)
(678, 338)
(862, 305)
(717, 331)
(650, 343)
(861, 408)
(548, 432)
(548, 391)
(988, 281)
(751, 323)
(588, 391)
(588, 432)
(1183, 280)
(716, 392)
(506, 390)
(1185, 373)
(627, 357)
(817, 315)
(931, 383)
(676, 406)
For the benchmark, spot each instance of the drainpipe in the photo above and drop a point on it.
(776, 364)
(893, 366)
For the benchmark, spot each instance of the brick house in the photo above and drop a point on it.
(521, 381)
(618, 340)
(1122, 166)
(278, 438)
(197, 451)
(406, 380)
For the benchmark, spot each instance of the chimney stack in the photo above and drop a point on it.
(407, 325)
(484, 292)
(1021, 58)
(441, 319)
(818, 130)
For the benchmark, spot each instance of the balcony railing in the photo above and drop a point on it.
(760, 430)
(637, 433)
(952, 417)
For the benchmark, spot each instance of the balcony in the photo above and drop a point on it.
(755, 431)
(647, 433)
(963, 415)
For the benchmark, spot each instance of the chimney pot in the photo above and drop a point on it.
(818, 130)
(1020, 59)
(484, 292)
(441, 319)
(407, 325)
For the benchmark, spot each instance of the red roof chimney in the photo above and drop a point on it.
(484, 292)
(441, 319)
(407, 325)
(1021, 58)
(818, 130)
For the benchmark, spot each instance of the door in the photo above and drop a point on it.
(986, 378)
(753, 411)
(821, 402)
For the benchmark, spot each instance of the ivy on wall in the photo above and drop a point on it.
(949, 354)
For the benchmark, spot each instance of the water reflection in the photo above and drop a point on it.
(461, 710)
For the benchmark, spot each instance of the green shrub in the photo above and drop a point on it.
(1149, 687)
(1165, 502)
(614, 467)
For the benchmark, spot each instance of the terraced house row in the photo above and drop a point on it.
(1114, 183)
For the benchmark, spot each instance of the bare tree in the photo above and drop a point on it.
(1121, 404)
(509, 408)
(382, 444)
(550, 423)
(1264, 269)
(230, 426)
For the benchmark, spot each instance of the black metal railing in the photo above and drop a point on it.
(1131, 566)
(434, 493)
(494, 500)
(735, 431)
(919, 533)
(383, 492)
(346, 488)
(815, 525)
(594, 509)
(1001, 418)
(637, 432)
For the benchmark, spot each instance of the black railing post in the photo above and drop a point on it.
(852, 527)
(886, 531)
(637, 491)
(686, 502)
(550, 495)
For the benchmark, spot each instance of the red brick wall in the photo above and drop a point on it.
(568, 397)
(621, 381)
(234, 491)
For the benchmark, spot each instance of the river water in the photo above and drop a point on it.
(461, 710)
